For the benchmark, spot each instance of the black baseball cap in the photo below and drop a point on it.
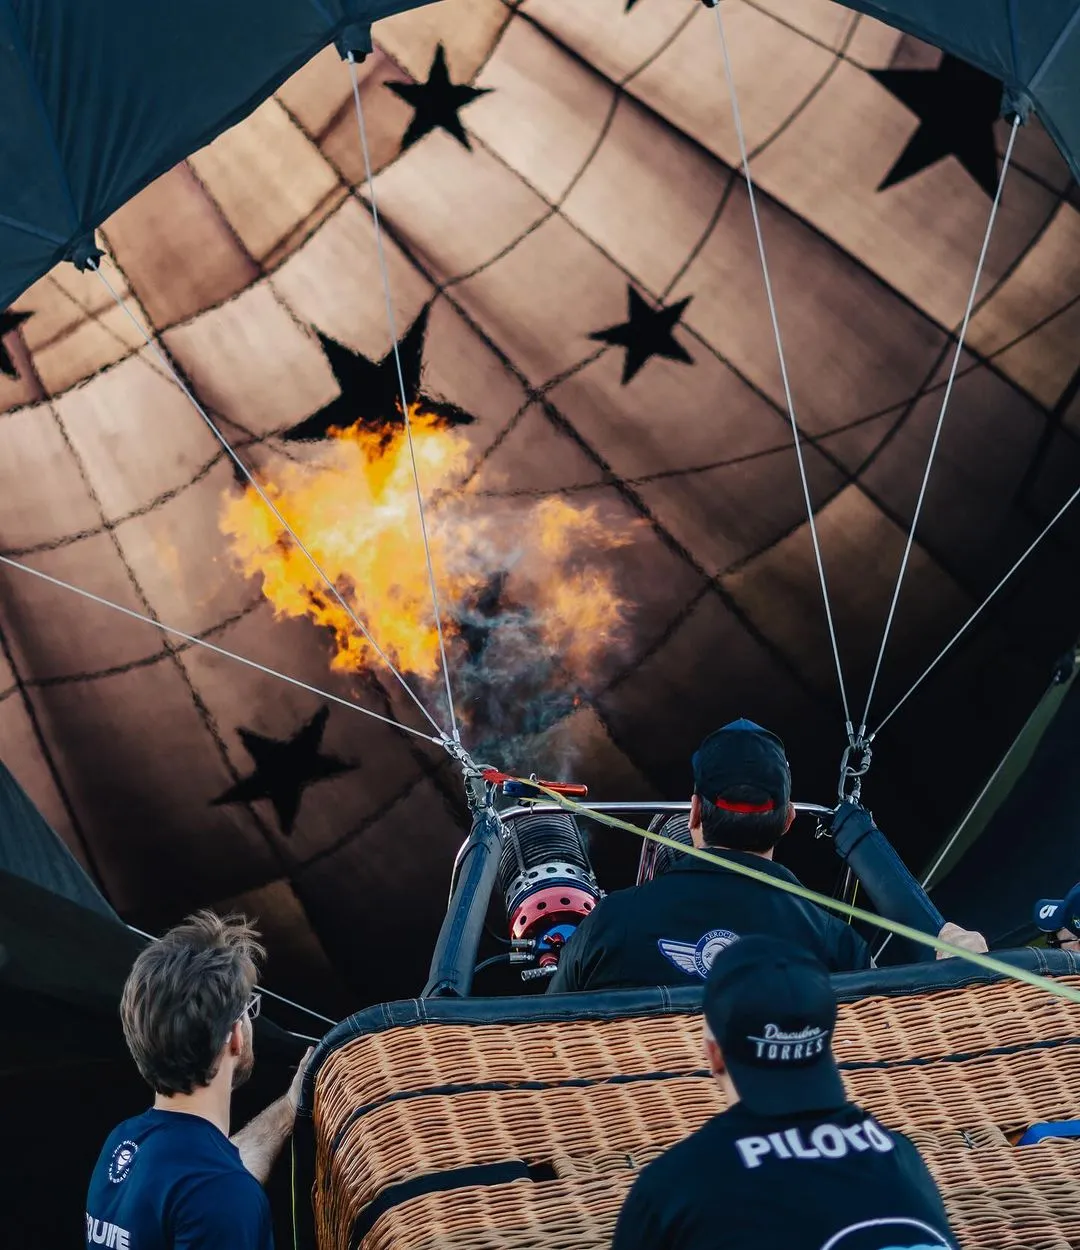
(772, 1010)
(1052, 914)
(742, 754)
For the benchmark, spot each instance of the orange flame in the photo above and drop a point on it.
(355, 511)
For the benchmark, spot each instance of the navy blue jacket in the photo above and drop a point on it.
(667, 931)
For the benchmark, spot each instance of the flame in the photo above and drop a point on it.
(582, 613)
(355, 510)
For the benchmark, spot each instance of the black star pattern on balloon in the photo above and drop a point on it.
(371, 392)
(436, 103)
(646, 332)
(284, 770)
(957, 106)
(9, 321)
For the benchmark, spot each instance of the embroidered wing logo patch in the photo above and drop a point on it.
(682, 954)
(696, 958)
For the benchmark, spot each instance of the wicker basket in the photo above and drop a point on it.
(511, 1136)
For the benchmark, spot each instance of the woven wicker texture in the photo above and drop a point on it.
(958, 1071)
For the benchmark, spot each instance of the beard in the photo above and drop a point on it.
(245, 1065)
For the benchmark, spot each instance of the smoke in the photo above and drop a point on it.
(511, 686)
(527, 590)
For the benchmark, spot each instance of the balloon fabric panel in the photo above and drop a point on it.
(603, 439)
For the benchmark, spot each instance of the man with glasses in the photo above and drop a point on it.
(1059, 919)
(172, 1178)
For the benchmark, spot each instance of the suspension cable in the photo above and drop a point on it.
(280, 998)
(940, 422)
(737, 117)
(121, 304)
(980, 609)
(391, 320)
(211, 646)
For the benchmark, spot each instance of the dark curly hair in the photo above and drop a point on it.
(183, 995)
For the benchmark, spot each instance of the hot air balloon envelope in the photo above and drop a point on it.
(1034, 49)
(100, 99)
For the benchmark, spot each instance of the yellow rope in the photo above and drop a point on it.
(800, 891)
(292, 1188)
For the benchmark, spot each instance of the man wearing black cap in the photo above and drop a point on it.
(1059, 919)
(667, 931)
(790, 1164)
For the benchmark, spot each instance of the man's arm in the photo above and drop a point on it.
(260, 1141)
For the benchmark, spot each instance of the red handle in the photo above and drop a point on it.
(571, 789)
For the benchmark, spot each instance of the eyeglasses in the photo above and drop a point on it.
(254, 1006)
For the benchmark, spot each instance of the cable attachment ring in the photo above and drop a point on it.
(854, 765)
(477, 790)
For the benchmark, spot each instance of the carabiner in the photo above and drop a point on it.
(851, 774)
